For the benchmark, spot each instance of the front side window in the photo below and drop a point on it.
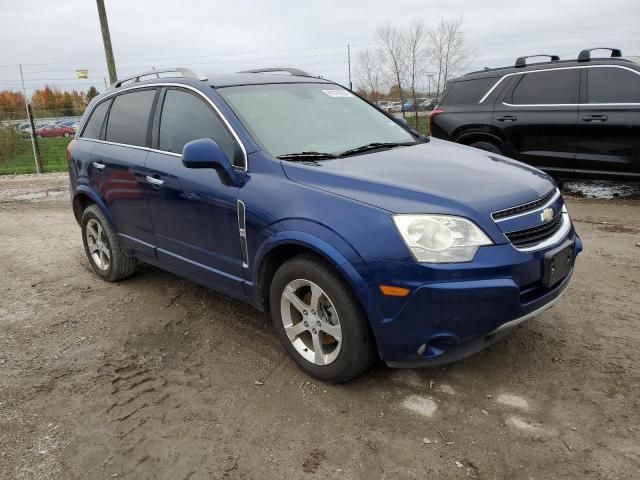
(94, 124)
(186, 117)
(129, 118)
(612, 85)
(291, 118)
(546, 88)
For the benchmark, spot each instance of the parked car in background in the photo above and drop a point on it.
(576, 117)
(363, 238)
(67, 123)
(408, 104)
(428, 104)
(55, 131)
(394, 107)
(383, 104)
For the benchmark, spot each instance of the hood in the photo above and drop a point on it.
(434, 177)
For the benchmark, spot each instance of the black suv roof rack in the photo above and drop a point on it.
(186, 73)
(585, 55)
(522, 61)
(291, 71)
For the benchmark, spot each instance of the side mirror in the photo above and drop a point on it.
(402, 121)
(206, 153)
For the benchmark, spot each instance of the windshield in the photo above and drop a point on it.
(310, 117)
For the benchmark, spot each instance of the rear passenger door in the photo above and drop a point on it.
(118, 167)
(538, 116)
(609, 120)
(194, 212)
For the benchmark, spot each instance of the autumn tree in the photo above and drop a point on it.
(91, 93)
(448, 52)
(416, 51)
(393, 53)
(369, 73)
(11, 105)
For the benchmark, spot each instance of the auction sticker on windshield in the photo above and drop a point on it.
(338, 93)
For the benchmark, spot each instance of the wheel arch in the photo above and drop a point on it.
(288, 244)
(469, 137)
(84, 197)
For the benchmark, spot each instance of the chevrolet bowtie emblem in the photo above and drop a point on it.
(547, 215)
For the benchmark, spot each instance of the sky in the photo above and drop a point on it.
(53, 39)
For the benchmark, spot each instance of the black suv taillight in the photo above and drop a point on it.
(433, 113)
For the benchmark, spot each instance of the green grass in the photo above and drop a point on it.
(53, 152)
(422, 125)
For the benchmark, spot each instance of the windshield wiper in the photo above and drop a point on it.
(375, 146)
(302, 156)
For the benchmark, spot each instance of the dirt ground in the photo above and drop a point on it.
(157, 377)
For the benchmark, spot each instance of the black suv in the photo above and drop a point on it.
(569, 117)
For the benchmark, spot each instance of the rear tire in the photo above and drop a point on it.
(487, 146)
(66, 134)
(102, 247)
(336, 312)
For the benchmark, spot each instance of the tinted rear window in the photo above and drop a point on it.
(129, 118)
(612, 85)
(542, 88)
(465, 92)
(94, 124)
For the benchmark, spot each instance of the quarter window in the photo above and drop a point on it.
(465, 92)
(94, 124)
(546, 88)
(129, 118)
(612, 85)
(185, 117)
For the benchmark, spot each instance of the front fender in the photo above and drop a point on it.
(345, 260)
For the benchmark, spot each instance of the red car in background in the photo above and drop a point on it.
(55, 131)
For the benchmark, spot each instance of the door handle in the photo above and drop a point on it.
(595, 118)
(507, 118)
(156, 182)
(99, 165)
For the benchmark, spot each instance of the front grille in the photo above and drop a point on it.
(530, 237)
(525, 207)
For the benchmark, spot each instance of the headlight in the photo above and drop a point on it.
(440, 238)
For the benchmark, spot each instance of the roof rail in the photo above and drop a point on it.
(585, 55)
(291, 71)
(522, 61)
(186, 72)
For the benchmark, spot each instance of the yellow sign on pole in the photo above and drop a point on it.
(82, 73)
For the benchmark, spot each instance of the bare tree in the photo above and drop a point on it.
(448, 52)
(416, 58)
(393, 54)
(369, 73)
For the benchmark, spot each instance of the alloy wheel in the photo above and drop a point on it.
(311, 322)
(98, 244)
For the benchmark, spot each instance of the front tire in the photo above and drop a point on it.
(102, 247)
(320, 321)
(487, 147)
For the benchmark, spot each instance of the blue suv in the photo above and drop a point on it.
(363, 238)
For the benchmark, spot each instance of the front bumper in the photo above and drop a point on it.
(457, 310)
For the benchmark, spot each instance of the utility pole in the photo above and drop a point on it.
(106, 39)
(34, 144)
(349, 60)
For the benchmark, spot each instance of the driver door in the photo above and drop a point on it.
(193, 211)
